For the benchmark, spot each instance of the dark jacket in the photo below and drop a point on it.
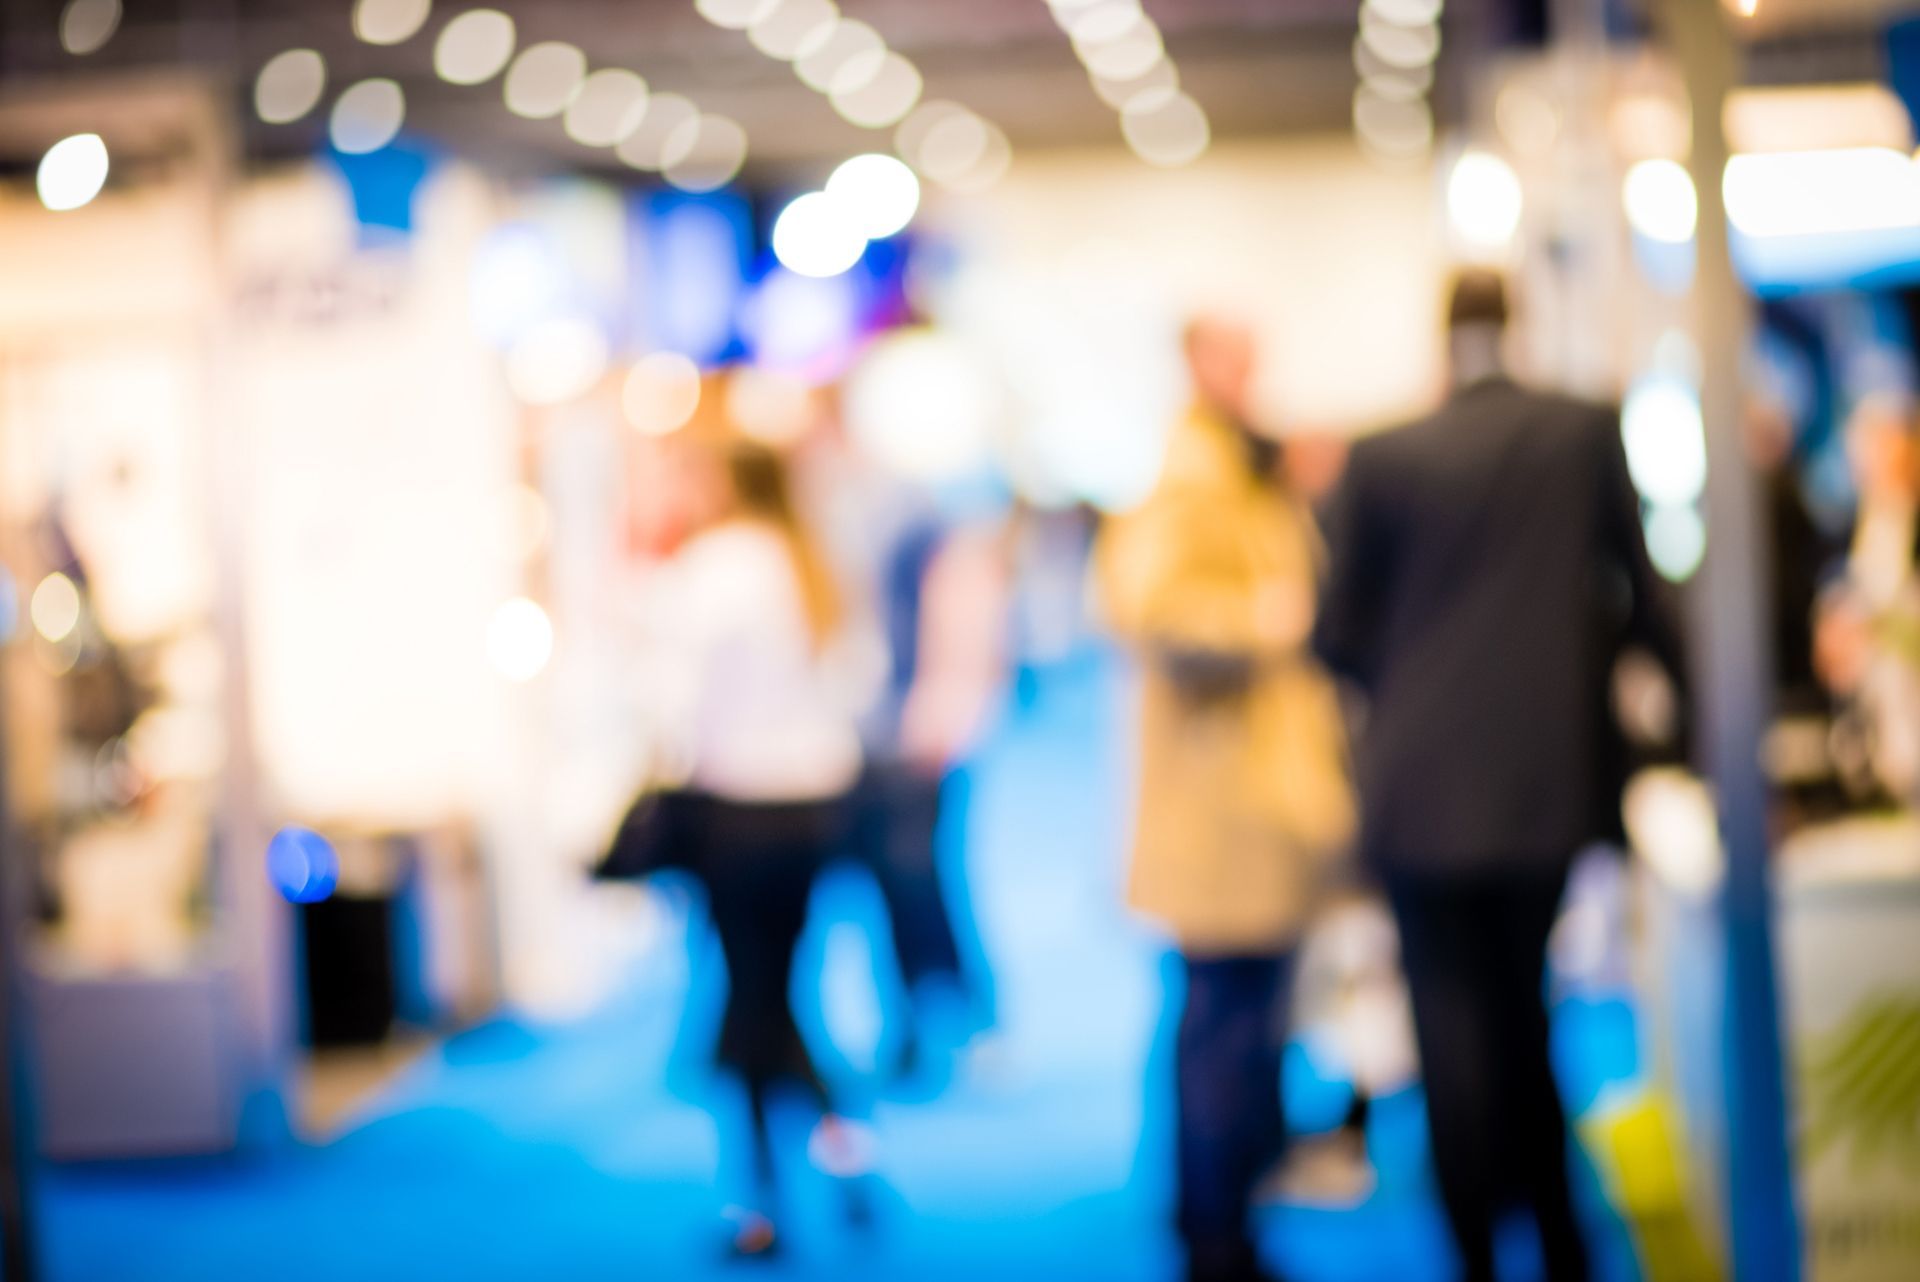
(1487, 568)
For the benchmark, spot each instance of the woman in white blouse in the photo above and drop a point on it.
(772, 752)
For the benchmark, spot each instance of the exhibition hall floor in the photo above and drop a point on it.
(585, 1151)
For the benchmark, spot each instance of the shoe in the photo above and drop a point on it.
(842, 1149)
(754, 1236)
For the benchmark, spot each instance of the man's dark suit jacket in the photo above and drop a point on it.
(1486, 570)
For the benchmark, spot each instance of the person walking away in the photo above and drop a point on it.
(773, 755)
(1487, 568)
(924, 575)
(1243, 799)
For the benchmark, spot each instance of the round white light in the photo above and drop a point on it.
(1101, 21)
(474, 48)
(953, 147)
(519, 639)
(1676, 541)
(661, 393)
(389, 22)
(608, 107)
(1660, 201)
(55, 608)
(87, 25)
(662, 136)
(289, 86)
(1165, 128)
(1665, 440)
(707, 152)
(830, 49)
(1126, 55)
(557, 360)
(878, 192)
(923, 405)
(770, 407)
(1397, 46)
(792, 25)
(544, 79)
(990, 168)
(72, 172)
(367, 116)
(1393, 128)
(910, 139)
(1117, 93)
(816, 236)
(1484, 202)
(734, 15)
(1405, 13)
(1394, 82)
(884, 97)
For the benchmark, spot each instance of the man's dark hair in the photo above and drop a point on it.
(1478, 297)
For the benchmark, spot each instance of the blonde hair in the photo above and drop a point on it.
(761, 491)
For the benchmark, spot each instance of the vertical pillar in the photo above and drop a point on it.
(1734, 690)
(16, 1100)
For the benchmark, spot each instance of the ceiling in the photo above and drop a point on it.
(1258, 67)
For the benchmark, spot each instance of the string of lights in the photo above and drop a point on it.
(1126, 60)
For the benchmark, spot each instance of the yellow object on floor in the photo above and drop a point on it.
(1634, 1139)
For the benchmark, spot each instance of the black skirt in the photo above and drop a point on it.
(758, 862)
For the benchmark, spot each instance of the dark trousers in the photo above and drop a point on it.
(1227, 1062)
(896, 834)
(1474, 951)
(759, 862)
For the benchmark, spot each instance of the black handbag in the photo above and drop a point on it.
(655, 835)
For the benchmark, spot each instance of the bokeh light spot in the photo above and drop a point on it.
(302, 865)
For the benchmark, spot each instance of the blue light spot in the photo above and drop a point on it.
(302, 865)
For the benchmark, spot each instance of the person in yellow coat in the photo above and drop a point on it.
(1245, 806)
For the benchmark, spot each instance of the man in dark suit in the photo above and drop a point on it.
(1487, 568)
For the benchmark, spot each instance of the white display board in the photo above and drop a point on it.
(380, 504)
(1850, 957)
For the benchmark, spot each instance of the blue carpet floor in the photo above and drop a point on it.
(589, 1151)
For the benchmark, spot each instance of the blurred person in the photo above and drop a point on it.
(925, 577)
(1243, 796)
(1800, 552)
(1867, 639)
(1487, 569)
(947, 612)
(773, 755)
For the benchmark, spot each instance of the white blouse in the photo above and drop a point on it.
(760, 713)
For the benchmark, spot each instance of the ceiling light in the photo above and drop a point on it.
(544, 79)
(662, 136)
(389, 22)
(289, 86)
(816, 236)
(474, 48)
(608, 107)
(880, 193)
(791, 26)
(87, 25)
(885, 97)
(821, 59)
(1165, 128)
(367, 116)
(706, 153)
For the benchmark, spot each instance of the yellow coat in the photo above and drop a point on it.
(1245, 804)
